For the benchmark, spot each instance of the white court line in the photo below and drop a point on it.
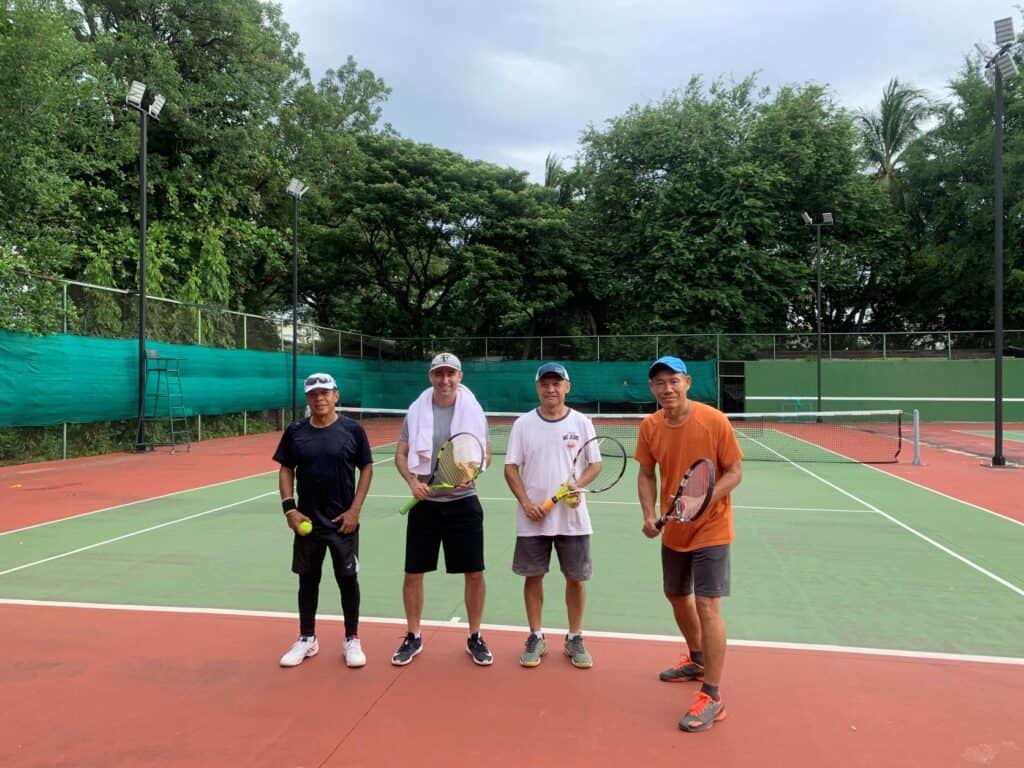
(290, 615)
(134, 533)
(941, 547)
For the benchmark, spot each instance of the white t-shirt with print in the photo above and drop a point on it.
(544, 451)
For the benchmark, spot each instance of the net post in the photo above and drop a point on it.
(917, 438)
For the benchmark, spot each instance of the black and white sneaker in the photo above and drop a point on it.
(478, 650)
(410, 647)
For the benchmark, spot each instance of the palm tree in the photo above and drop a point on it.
(890, 130)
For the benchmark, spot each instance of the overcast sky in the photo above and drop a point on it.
(509, 82)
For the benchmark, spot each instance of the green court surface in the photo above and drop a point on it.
(1008, 434)
(838, 554)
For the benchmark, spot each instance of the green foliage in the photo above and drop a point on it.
(949, 182)
(690, 209)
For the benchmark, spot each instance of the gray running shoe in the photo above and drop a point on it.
(535, 648)
(577, 653)
(410, 647)
(686, 669)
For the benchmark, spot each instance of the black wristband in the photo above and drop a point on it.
(288, 505)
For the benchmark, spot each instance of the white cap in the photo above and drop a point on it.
(320, 381)
(445, 360)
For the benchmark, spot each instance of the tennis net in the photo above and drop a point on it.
(866, 437)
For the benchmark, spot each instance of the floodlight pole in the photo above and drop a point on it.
(296, 189)
(1000, 66)
(817, 311)
(134, 100)
(825, 220)
(998, 459)
(140, 438)
(295, 303)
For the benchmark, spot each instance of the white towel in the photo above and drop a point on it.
(467, 417)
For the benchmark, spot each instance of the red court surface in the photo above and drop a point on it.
(51, 490)
(83, 687)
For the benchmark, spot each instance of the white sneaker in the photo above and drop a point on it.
(302, 650)
(354, 656)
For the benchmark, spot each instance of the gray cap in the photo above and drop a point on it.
(446, 360)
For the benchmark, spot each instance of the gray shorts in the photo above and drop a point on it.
(533, 556)
(704, 572)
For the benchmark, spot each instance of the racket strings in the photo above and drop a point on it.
(607, 451)
(460, 460)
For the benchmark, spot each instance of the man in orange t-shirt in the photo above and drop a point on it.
(694, 555)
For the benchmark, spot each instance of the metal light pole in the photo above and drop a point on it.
(999, 67)
(826, 221)
(134, 99)
(296, 189)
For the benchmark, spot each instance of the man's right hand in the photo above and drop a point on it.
(294, 518)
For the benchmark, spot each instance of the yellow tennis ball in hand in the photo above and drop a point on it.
(305, 527)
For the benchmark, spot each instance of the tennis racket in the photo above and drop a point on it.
(693, 495)
(602, 448)
(459, 462)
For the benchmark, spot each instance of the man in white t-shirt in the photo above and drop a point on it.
(539, 458)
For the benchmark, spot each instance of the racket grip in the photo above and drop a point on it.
(408, 505)
(660, 523)
(549, 503)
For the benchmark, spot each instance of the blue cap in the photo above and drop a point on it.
(666, 361)
(554, 368)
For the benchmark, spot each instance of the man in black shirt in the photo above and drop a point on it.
(322, 453)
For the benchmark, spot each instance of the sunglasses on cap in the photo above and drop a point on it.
(321, 381)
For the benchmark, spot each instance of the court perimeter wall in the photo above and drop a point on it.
(942, 390)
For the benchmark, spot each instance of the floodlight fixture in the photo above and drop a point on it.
(297, 189)
(156, 106)
(807, 219)
(1004, 31)
(1007, 66)
(135, 94)
(827, 220)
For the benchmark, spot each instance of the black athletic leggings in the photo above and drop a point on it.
(309, 596)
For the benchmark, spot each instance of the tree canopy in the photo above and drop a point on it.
(677, 216)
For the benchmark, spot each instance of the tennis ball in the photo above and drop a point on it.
(305, 527)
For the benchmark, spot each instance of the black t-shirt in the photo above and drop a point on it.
(324, 460)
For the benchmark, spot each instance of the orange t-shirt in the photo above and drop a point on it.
(704, 433)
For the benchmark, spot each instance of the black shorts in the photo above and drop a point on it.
(458, 525)
(704, 572)
(308, 552)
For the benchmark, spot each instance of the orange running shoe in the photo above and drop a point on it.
(704, 713)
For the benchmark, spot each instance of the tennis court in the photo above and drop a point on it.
(876, 619)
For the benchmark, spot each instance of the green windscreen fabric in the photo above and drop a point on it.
(508, 385)
(62, 378)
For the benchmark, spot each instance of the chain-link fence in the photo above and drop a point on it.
(43, 305)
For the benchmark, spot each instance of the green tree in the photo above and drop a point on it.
(949, 179)
(889, 130)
